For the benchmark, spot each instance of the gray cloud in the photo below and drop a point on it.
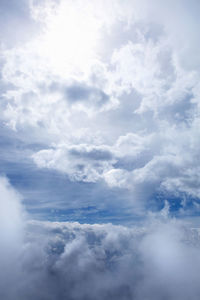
(47, 260)
(73, 261)
(81, 92)
(93, 153)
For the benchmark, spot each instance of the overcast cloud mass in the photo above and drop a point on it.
(99, 141)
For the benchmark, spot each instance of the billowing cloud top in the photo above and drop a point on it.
(63, 260)
(99, 107)
(104, 94)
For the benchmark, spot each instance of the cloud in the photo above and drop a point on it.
(107, 94)
(63, 260)
(81, 93)
(11, 209)
(110, 262)
(11, 237)
(81, 162)
(117, 101)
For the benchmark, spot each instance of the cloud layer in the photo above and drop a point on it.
(112, 97)
(49, 260)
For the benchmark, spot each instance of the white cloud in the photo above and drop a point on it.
(132, 87)
(11, 209)
(81, 162)
(49, 260)
(111, 91)
(11, 237)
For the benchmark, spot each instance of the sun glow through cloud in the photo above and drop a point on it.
(70, 37)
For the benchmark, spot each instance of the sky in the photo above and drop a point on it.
(99, 149)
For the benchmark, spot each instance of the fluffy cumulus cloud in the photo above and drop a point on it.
(82, 163)
(112, 90)
(49, 260)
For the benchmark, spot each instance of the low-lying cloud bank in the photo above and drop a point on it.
(46, 260)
